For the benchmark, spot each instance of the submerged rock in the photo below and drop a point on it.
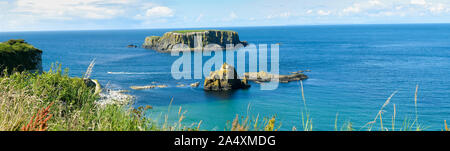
(262, 76)
(224, 79)
(188, 37)
(181, 85)
(196, 84)
(132, 46)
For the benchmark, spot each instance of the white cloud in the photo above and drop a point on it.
(154, 14)
(281, 15)
(437, 8)
(323, 13)
(352, 9)
(361, 7)
(375, 2)
(230, 17)
(379, 8)
(159, 11)
(68, 9)
(418, 2)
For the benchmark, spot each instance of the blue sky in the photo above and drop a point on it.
(25, 15)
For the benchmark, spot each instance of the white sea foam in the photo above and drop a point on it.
(109, 97)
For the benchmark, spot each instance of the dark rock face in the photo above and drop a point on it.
(224, 79)
(19, 56)
(93, 84)
(132, 46)
(170, 39)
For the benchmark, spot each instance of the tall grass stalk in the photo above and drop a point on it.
(306, 119)
(393, 119)
(370, 124)
(415, 105)
(445, 125)
(88, 72)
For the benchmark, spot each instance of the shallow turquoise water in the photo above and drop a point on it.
(354, 70)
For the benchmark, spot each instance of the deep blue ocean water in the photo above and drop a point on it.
(354, 69)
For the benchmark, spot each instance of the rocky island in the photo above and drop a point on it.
(188, 37)
(18, 55)
(224, 79)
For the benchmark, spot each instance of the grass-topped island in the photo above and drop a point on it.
(208, 40)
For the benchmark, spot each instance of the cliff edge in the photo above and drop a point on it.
(208, 40)
(17, 55)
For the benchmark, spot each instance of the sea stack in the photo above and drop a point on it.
(17, 55)
(207, 40)
(224, 79)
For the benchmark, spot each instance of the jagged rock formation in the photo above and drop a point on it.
(188, 37)
(262, 76)
(224, 79)
(19, 56)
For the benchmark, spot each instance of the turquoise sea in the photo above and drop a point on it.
(354, 69)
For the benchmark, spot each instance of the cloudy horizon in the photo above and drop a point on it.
(36, 15)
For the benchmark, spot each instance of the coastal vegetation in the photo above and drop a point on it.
(18, 55)
(54, 101)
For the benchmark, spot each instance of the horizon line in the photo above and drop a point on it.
(346, 24)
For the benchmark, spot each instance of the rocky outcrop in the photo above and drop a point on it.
(188, 37)
(132, 46)
(19, 56)
(262, 76)
(224, 79)
(92, 83)
(196, 84)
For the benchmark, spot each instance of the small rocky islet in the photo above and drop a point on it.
(210, 40)
(224, 79)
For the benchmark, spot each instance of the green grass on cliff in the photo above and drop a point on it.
(17, 55)
(190, 31)
(18, 45)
